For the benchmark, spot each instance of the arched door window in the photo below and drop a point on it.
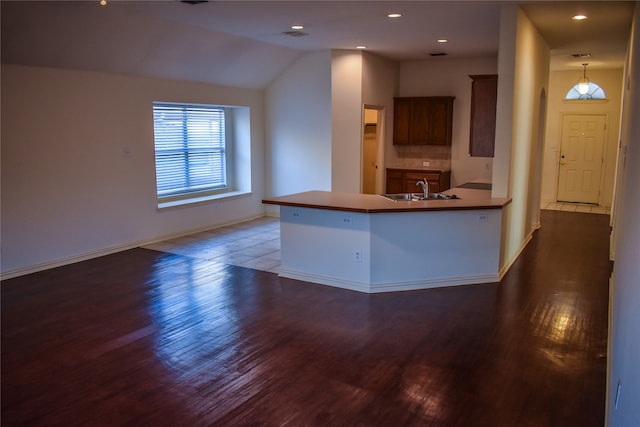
(594, 92)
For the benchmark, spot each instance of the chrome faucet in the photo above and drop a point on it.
(425, 187)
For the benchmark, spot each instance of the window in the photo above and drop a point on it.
(191, 150)
(594, 92)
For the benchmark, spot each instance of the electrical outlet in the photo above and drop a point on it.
(216, 206)
(296, 214)
(347, 220)
(426, 163)
(483, 218)
(357, 255)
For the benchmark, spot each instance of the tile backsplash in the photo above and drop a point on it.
(412, 156)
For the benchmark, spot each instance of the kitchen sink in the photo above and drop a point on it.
(443, 196)
(418, 196)
(403, 196)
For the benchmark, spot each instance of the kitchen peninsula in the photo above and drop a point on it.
(368, 243)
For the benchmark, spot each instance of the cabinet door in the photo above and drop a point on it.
(445, 181)
(395, 182)
(484, 91)
(419, 128)
(439, 119)
(410, 186)
(401, 120)
(423, 120)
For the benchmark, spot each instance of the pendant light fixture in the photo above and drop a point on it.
(583, 83)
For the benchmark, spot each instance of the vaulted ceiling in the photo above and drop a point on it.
(242, 43)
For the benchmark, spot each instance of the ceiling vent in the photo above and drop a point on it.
(295, 33)
(438, 54)
(581, 55)
(194, 1)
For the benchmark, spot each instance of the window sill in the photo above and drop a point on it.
(585, 101)
(202, 200)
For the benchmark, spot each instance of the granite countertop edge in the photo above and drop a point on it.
(373, 203)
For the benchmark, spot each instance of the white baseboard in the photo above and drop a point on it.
(9, 274)
(505, 268)
(388, 286)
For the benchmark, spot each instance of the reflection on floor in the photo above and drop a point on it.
(256, 243)
(576, 207)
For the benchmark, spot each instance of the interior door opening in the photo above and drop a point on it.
(371, 136)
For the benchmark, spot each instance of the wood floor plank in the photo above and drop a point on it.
(149, 338)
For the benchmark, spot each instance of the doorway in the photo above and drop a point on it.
(581, 158)
(370, 147)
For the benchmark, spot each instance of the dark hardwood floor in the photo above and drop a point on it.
(152, 339)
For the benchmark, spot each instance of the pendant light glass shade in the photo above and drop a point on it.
(583, 83)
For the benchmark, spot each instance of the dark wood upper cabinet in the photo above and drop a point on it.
(401, 119)
(426, 120)
(484, 91)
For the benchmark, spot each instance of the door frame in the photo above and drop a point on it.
(380, 129)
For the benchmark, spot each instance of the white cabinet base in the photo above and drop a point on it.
(384, 252)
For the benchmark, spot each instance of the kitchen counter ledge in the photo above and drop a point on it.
(373, 203)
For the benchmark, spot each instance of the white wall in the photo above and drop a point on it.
(68, 190)
(559, 84)
(314, 116)
(298, 115)
(624, 339)
(379, 86)
(519, 127)
(346, 119)
(447, 77)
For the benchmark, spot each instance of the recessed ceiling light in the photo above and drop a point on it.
(394, 15)
(442, 40)
(580, 17)
(297, 27)
(361, 47)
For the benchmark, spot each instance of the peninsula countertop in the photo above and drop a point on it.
(373, 203)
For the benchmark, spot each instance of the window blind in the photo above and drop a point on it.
(190, 148)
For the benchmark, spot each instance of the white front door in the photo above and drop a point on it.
(581, 154)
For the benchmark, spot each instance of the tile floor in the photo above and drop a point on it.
(576, 207)
(256, 243)
(252, 244)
